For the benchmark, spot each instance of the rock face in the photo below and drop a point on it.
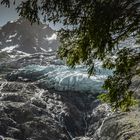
(21, 36)
(30, 113)
(122, 126)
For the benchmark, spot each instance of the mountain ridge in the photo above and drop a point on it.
(24, 37)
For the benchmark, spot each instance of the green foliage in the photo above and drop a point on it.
(92, 30)
(126, 66)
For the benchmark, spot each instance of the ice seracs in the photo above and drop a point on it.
(63, 78)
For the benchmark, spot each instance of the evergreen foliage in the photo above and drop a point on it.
(92, 30)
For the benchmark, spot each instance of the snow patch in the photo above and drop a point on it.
(23, 53)
(9, 49)
(11, 36)
(35, 48)
(43, 50)
(45, 27)
(50, 50)
(53, 37)
(13, 21)
(9, 40)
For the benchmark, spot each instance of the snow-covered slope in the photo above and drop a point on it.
(21, 36)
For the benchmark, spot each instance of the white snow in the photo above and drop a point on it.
(12, 21)
(11, 36)
(53, 37)
(23, 53)
(50, 49)
(35, 48)
(45, 27)
(9, 40)
(9, 49)
(43, 50)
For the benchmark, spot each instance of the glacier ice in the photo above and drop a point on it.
(63, 78)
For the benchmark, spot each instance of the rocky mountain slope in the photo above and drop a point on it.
(42, 99)
(28, 112)
(21, 36)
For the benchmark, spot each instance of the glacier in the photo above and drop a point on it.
(64, 78)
